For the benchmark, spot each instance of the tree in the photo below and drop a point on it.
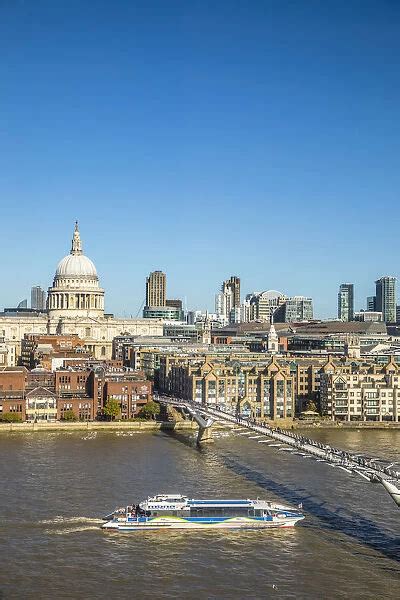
(68, 415)
(151, 410)
(111, 409)
(311, 406)
(11, 417)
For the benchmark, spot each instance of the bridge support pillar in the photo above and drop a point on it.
(204, 435)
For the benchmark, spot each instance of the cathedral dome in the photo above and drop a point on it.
(76, 291)
(76, 265)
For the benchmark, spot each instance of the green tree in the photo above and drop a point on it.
(311, 406)
(151, 410)
(11, 417)
(111, 409)
(68, 415)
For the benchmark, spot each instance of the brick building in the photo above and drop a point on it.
(44, 349)
(42, 395)
(12, 391)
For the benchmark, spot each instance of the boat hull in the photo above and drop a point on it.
(181, 523)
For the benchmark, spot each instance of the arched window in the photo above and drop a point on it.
(103, 350)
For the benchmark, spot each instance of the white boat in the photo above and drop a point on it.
(174, 511)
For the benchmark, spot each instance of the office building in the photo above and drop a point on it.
(368, 316)
(156, 284)
(38, 298)
(264, 305)
(233, 285)
(165, 313)
(177, 305)
(297, 309)
(386, 298)
(371, 303)
(228, 299)
(346, 302)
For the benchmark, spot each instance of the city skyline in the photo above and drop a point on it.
(263, 143)
(359, 302)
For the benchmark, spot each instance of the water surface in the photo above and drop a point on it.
(55, 486)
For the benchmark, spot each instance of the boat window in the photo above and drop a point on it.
(222, 511)
(167, 513)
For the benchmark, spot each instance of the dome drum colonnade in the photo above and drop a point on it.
(67, 301)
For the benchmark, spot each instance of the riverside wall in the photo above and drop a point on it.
(185, 425)
(98, 426)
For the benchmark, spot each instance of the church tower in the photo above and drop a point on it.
(272, 339)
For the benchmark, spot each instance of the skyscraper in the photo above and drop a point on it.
(233, 285)
(38, 298)
(346, 302)
(386, 298)
(228, 299)
(156, 284)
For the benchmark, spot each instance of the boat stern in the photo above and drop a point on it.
(110, 525)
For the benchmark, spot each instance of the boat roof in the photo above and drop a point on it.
(227, 502)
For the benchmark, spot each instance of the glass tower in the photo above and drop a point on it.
(386, 298)
(346, 302)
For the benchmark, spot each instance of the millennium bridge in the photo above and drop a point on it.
(375, 470)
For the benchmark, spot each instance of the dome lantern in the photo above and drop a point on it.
(76, 247)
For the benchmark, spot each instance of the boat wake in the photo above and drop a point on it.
(60, 525)
(68, 530)
(61, 520)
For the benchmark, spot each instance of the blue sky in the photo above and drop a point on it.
(202, 138)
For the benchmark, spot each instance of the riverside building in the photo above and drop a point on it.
(81, 389)
(361, 393)
(261, 391)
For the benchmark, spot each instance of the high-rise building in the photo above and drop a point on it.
(156, 284)
(224, 304)
(346, 302)
(386, 298)
(38, 298)
(371, 303)
(233, 285)
(228, 299)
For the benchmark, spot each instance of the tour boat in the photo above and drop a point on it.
(174, 511)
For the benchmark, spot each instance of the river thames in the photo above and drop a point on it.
(56, 486)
